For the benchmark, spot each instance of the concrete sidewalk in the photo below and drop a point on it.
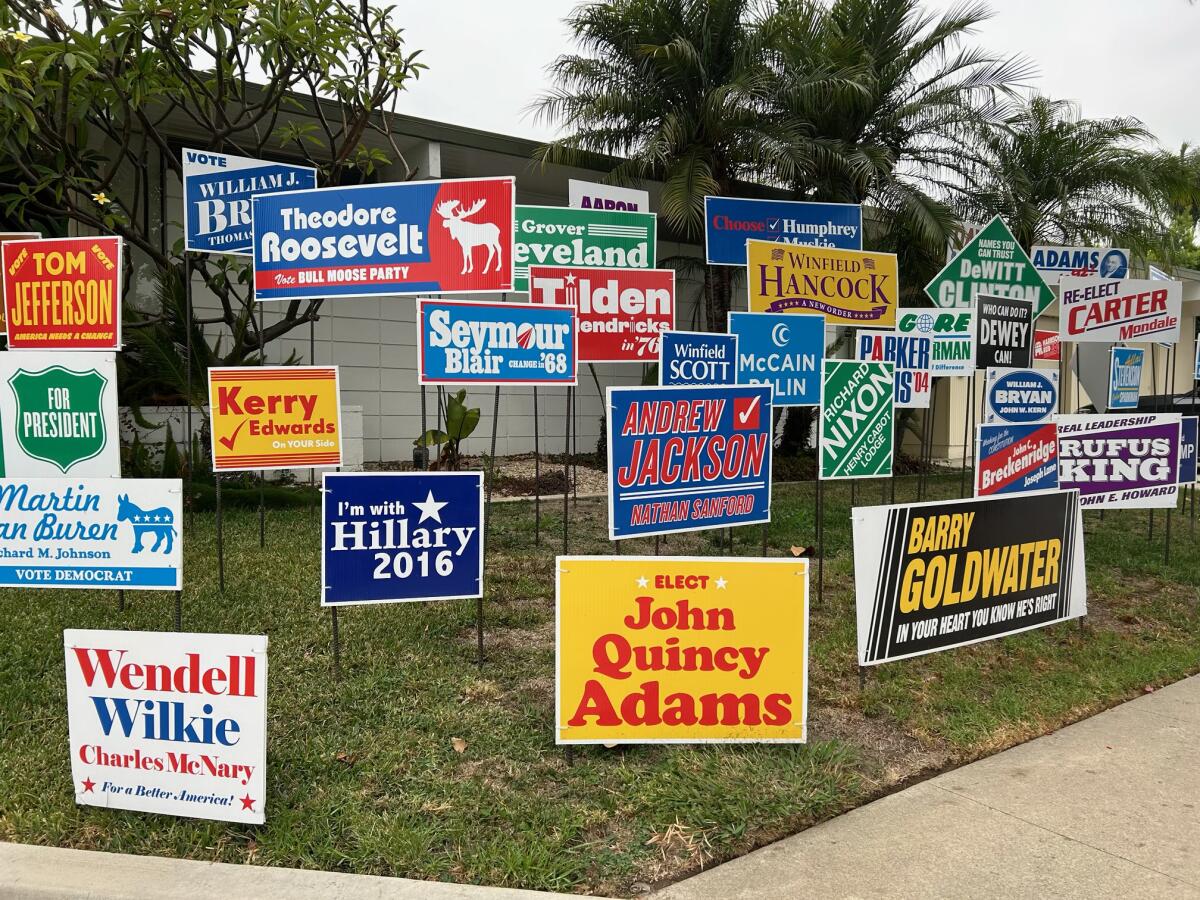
(1107, 807)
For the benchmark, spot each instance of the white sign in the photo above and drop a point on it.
(1103, 262)
(169, 723)
(589, 195)
(953, 334)
(1132, 309)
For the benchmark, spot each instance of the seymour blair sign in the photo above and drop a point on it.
(681, 649)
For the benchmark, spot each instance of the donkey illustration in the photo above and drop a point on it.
(156, 521)
(471, 234)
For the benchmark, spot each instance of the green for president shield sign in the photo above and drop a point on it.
(558, 236)
(856, 419)
(58, 414)
(992, 263)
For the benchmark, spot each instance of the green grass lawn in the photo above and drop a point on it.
(364, 775)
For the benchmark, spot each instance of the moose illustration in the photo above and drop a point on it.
(156, 521)
(471, 234)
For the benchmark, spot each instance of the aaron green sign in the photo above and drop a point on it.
(856, 419)
(991, 263)
(558, 236)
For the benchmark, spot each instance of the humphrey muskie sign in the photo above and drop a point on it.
(931, 576)
(729, 221)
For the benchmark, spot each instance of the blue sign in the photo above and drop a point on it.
(471, 342)
(1125, 378)
(697, 357)
(687, 458)
(1019, 396)
(730, 221)
(1188, 439)
(1054, 262)
(217, 188)
(400, 536)
(783, 350)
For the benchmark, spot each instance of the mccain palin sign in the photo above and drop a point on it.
(729, 221)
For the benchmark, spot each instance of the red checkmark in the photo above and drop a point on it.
(229, 441)
(745, 412)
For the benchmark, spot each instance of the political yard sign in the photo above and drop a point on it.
(688, 458)
(469, 342)
(62, 293)
(575, 238)
(589, 195)
(1188, 439)
(992, 264)
(1132, 309)
(1054, 262)
(1019, 396)
(857, 420)
(1016, 459)
(1004, 333)
(849, 287)
(274, 418)
(730, 221)
(15, 236)
(931, 576)
(1122, 461)
(401, 536)
(1125, 377)
(952, 333)
(123, 534)
(1046, 345)
(661, 650)
(217, 188)
(910, 354)
(58, 414)
(621, 313)
(378, 240)
(784, 351)
(697, 357)
(169, 722)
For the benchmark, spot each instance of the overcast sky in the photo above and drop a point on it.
(487, 59)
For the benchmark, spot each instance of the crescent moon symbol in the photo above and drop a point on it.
(779, 334)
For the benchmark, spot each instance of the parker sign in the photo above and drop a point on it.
(730, 221)
(1004, 333)
(596, 238)
(849, 287)
(621, 312)
(466, 342)
(1054, 262)
(116, 533)
(931, 576)
(1019, 396)
(1016, 459)
(401, 536)
(168, 722)
(1125, 377)
(672, 650)
(857, 419)
(784, 351)
(911, 356)
(993, 264)
(1103, 310)
(688, 458)
(952, 333)
(1120, 462)
(217, 188)
(58, 414)
(378, 240)
(697, 357)
(63, 293)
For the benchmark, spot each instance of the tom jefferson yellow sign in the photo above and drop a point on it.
(850, 287)
(660, 649)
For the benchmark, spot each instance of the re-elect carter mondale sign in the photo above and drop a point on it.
(1105, 310)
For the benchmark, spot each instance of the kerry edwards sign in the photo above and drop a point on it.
(784, 351)
(697, 357)
(931, 576)
(1016, 459)
(952, 333)
(1120, 462)
(1125, 377)
(992, 263)
(687, 458)
(729, 221)
(169, 723)
(910, 354)
(856, 419)
(660, 650)
(595, 238)
(1019, 396)
(274, 418)
(1053, 263)
(63, 293)
(849, 287)
(1004, 335)
(119, 533)
(466, 342)
(401, 536)
(1105, 310)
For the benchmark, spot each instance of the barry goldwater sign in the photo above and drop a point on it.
(662, 650)
(782, 350)
(1120, 462)
(991, 264)
(688, 458)
(697, 357)
(1016, 459)
(468, 342)
(1132, 309)
(1004, 333)
(595, 238)
(952, 333)
(1053, 263)
(1019, 396)
(729, 221)
(217, 188)
(931, 576)
(857, 419)
(169, 723)
(118, 533)
(400, 536)
(910, 354)
(58, 414)
(1125, 377)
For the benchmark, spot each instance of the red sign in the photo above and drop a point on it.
(621, 312)
(1045, 344)
(63, 293)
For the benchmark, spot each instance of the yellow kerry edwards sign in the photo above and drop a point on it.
(850, 287)
(660, 649)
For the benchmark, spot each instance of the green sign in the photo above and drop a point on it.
(991, 263)
(558, 236)
(856, 419)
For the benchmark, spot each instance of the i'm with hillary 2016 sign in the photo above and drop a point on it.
(468, 342)
(1016, 459)
(857, 419)
(378, 240)
(697, 357)
(992, 263)
(1122, 461)
(169, 723)
(400, 536)
(1131, 309)
(784, 351)
(582, 238)
(910, 354)
(730, 221)
(688, 458)
(118, 533)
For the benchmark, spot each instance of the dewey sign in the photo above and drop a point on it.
(596, 238)
(729, 221)
(850, 287)
(1104, 310)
